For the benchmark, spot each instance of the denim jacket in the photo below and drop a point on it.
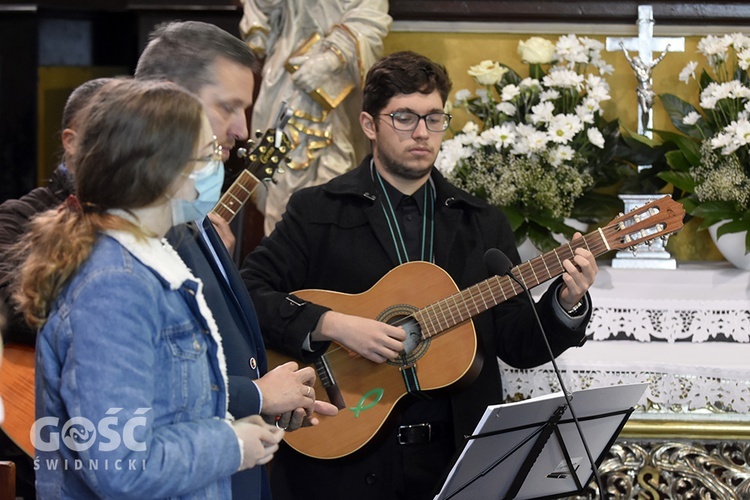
(131, 391)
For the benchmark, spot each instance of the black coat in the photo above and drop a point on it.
(238, 327)
(335, 237)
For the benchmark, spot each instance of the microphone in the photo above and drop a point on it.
(499, 264)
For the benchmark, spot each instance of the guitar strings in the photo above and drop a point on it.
(497, 286)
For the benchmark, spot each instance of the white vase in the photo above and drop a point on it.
(732, 247)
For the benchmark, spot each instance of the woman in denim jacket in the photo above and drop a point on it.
(131, 387)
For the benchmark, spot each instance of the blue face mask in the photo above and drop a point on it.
(208, 183)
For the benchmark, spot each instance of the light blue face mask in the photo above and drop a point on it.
(208, 183)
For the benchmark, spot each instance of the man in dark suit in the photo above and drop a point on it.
(218, 68)
(347, 234)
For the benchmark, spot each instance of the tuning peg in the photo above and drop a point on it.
(258, 133)
(280, 170)
(241, 152)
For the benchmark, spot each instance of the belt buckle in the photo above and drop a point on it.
(407, 434)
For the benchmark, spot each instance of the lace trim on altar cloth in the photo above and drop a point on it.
(670, 324)
(667, 393)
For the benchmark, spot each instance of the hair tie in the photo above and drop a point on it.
(71, 203)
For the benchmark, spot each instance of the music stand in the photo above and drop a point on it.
(526, 450)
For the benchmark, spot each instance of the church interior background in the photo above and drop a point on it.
(685, 332)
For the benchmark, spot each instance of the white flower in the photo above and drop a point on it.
(462, 96)
(571, 50)
(691, 118)
(506, 108)
(487, 72)
(599, 93)
(708, 97)
(742, 131)
(510, 92)
(451, 152)
(525, 146)
(530, 84)
(560, 155)
(740, 41)
(595, 137)
(536, 50)
(715, 49)
(726, 141)
(563, 127)
(499, 136)
(537, 141)
(549, 95)
(603, 67)
(585, 114)
(542, 112)
(563, 78)
(470, 128)
(688, 72)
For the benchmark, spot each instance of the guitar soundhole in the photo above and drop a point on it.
(414, 346)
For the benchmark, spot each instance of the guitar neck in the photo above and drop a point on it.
(459, 307)
(236, 196)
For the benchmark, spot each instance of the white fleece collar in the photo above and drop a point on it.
(159, 256)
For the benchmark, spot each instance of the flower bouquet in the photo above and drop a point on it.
(537, 146)
(711, 162)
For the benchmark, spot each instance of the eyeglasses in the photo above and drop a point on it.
(213, 161)
(406, 121)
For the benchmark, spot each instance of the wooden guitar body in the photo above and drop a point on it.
(370, 391)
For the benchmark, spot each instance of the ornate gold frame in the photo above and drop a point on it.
(701, 428)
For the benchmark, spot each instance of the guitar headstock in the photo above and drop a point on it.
(659, 218)
(270, 149)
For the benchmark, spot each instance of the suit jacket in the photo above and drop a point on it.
(336, 237)
(240, 333)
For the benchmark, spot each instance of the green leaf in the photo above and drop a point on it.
(705, 80)
(677, 109)
(714, 211)
(542, 238)
(515, 217)
(681, 180)
(593, 207)
(676, 159)
(690, 147)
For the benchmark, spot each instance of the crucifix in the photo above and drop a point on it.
(652, 256)
(643, 62)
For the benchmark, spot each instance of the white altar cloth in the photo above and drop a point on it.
(686, 332)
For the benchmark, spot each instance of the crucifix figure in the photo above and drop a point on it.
(643, 63)
(654, 256)
(645, 93)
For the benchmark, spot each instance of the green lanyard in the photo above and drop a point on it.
(393, 226)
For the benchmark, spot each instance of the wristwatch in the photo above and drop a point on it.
(575, 308)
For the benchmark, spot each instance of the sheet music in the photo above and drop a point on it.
(488, 465)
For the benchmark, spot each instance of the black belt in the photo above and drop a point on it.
(422, 433)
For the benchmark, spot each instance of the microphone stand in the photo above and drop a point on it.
(505, 264)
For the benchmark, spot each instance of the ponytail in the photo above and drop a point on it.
(57, 243)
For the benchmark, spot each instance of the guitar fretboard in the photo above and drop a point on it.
(459, 307)
(236, 196)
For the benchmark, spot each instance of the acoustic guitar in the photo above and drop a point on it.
(441, 346)
(17, 369)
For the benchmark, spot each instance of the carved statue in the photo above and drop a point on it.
(317, 53)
